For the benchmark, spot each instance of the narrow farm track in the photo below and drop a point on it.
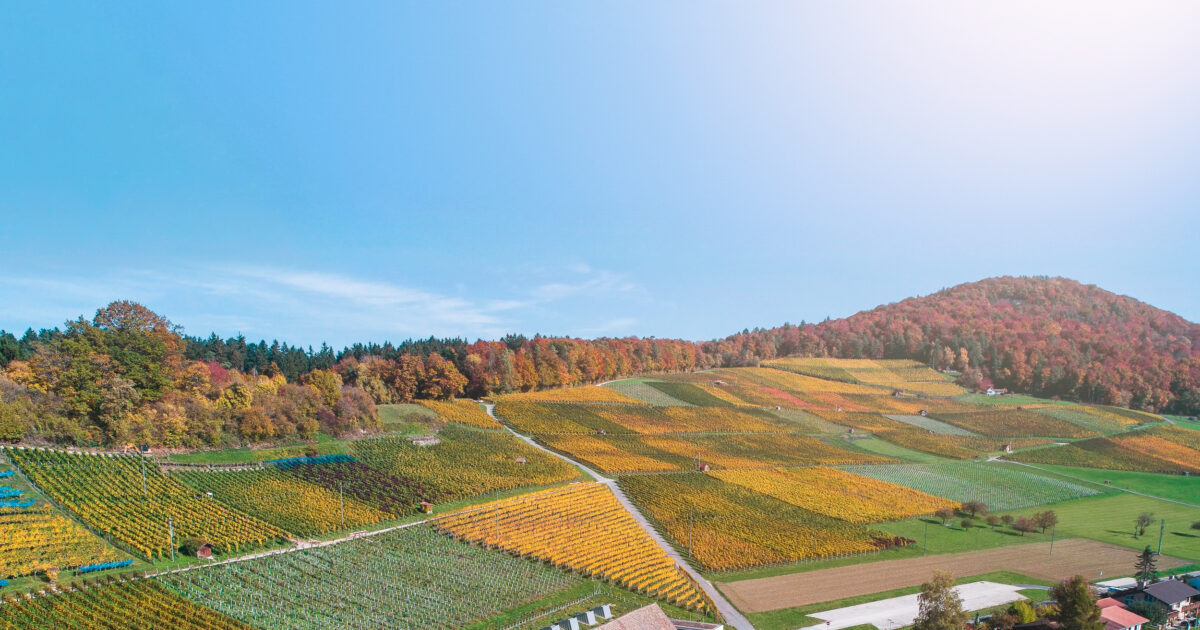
(732, 616)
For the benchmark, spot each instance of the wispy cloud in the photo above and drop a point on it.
(592, 282)
(278, 302)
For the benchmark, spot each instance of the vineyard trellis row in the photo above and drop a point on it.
(112, 495)
(583, 528)
(409, 578)
(133, 605)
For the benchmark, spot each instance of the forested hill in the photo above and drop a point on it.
(1046, 336)
(129, 375)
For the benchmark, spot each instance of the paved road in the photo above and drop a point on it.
(732, 616)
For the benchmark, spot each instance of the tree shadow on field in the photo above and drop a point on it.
(1120, 532)
(1185, 535)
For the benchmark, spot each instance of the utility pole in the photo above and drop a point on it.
(1052, 542)
(342, 504)
(925, 547)
(497, 524)
(171, 533)
(1161, 530)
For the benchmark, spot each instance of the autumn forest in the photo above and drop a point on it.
(130, 376)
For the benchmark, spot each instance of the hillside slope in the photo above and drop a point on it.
(1046, 336)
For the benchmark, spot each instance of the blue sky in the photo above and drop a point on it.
(372, 171)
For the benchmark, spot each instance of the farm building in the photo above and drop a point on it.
(996, 391)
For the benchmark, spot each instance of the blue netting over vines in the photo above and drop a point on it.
(301, 461)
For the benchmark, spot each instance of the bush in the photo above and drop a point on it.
(1195, 525)
(190, 546)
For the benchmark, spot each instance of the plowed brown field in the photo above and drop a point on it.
(1071, 556)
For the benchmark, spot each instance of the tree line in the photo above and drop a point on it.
(128, 374)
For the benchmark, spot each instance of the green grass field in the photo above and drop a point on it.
(799, 617)
(325, 446)
(1175, 487)
(1110, 519)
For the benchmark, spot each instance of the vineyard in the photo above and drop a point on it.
(926, 442)
(108, 494)
(39, 538)
(381, 491)
(1015, 423)
(724, 526)
(899, 374)
(929, 424)
(550, 419)
(643, 391)
(690, 394)
(408, 578)
(583, 528)
(587, 393)
(999, 486)
(627, 453)
(136, 605)
(283, 500)
(1088, 416)
(461, 411)
(468, 462)
(839, 494)
(1162, 449)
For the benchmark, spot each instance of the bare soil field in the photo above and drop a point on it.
(1070, 557)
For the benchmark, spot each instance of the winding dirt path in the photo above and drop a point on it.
(732, 616)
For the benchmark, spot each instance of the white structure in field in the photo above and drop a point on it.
(898, 612)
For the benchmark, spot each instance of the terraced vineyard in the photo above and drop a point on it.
(584, 528)
(107, 493)
(1000, 486)
(136, 605)
(286, 501)
(408, 578)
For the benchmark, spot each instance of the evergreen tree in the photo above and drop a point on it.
(1146, 567)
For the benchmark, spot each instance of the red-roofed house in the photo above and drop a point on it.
(1117, 618)
(1106, 602)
